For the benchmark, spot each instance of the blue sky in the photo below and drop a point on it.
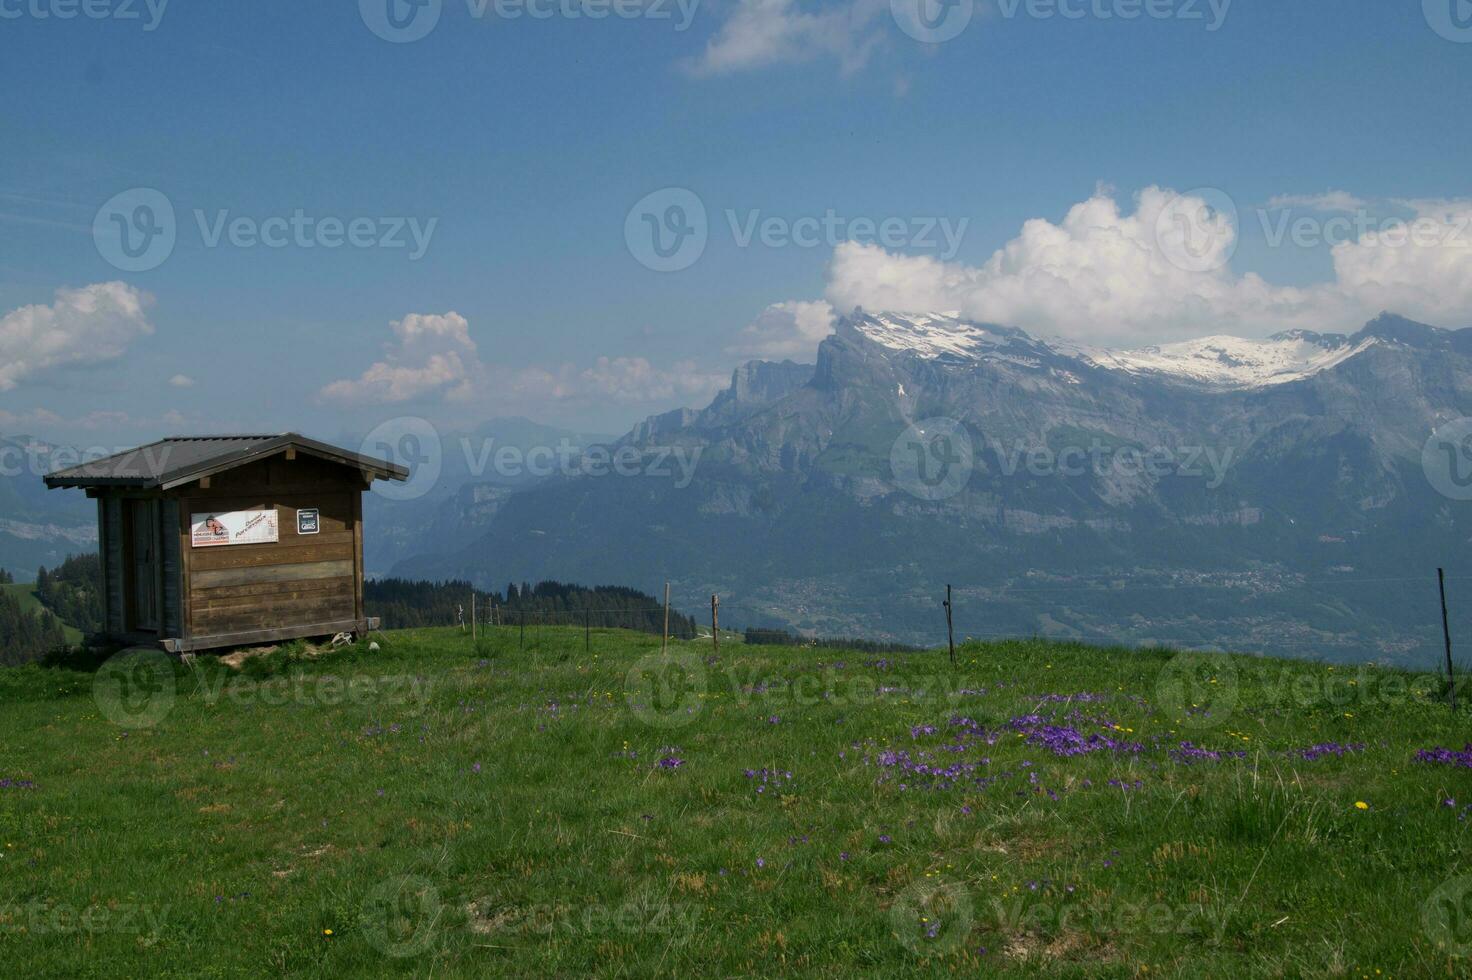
(520, 146)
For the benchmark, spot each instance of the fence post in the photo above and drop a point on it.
(1446, 633)
(665, 642)
(472, 616)
(715, 623)
(950, 630)
(523, 629)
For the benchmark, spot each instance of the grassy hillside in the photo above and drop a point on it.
(26, 593)
(432, 809)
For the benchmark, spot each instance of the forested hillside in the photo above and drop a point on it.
(403, 604)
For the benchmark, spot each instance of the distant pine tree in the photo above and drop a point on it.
(6, 578)
(403, 604)
(73, 591)
(26, 636)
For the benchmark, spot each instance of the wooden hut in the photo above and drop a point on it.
(214, 541)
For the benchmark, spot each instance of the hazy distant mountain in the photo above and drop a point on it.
(1257, 494)
(478, 471)
(39, 526)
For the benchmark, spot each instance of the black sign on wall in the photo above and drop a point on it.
(308, 521)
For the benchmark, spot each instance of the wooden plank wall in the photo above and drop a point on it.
(172, 623)
(300, 580)
(111, 548)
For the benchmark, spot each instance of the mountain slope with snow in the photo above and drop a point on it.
(1221, 362)
(1234, 362)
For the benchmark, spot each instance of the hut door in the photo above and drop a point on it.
(143, 563)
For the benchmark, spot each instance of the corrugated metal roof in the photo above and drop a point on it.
(181, 459)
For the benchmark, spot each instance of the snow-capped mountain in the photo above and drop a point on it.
(1223, 362)
(1221, 490)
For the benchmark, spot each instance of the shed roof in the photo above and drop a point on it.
(178, 460)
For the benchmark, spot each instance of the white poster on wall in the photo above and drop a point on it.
(233, 527)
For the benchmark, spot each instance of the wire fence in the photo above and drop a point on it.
(941, 619)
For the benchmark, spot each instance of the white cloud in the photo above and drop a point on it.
(1421, 268)
(431, 355)
(1105, 276)
(786, 330)
(182, 381)
(759, 33)
(1327, 201)
(90, 325)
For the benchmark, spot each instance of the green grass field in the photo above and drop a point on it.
(437, 810)
(25, 592)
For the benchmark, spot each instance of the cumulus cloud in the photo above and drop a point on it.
(1163, 272)
(431, 355)
(1421, 267)
(182, 381)
(89, 325)
(786, 330)
(1327, 201)
(759, 33)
